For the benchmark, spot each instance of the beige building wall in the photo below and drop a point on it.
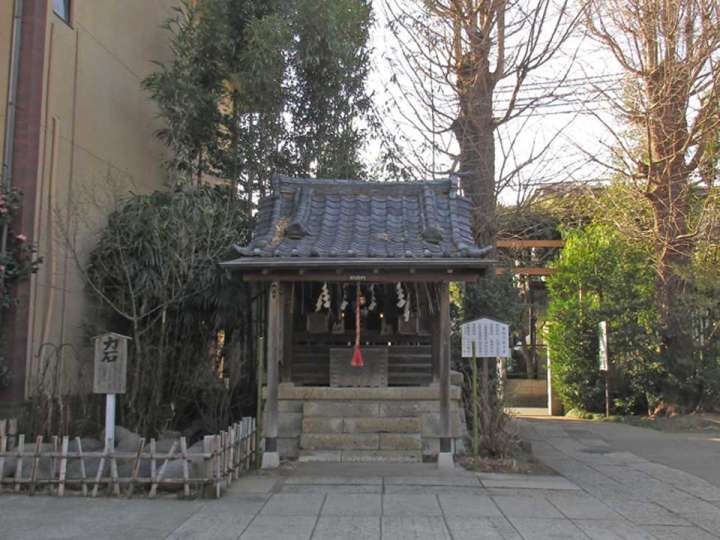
(98, 143)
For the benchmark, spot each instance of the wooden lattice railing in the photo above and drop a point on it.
(224, 457)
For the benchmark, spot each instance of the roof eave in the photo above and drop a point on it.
(257, 263)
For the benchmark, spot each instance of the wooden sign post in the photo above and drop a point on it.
(486, 338)
(110, 376)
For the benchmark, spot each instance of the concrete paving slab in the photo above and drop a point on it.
(548, 529)
(279, 528)
(512, 492)
(353, 505)
(216, 524)
(337, 480)
(526, 481)
(72, 532)
(330, 489)
(645, 513)
(435, 480)
(581, 506)
(347, 528)
(294, 504)
(435, 490)
(469, 506)
(612, 530)
(705, 520)
(30, 513)
(252, 484)
(482, 528)
(414, 528)
(411, 505)
(676, 533)
(526, 507)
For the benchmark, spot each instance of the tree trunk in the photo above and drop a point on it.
(669, 195)
(474, 130)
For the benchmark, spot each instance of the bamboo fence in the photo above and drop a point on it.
(224, 457)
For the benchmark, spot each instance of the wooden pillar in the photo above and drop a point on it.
(275, 345)
(445, 457)
(435, 348)
(288, 314)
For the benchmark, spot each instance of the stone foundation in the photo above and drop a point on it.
(373, 424)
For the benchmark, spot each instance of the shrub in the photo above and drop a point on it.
(600, 276)
(155, 272)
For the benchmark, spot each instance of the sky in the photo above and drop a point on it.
(574, 126)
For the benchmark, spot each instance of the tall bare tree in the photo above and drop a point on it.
(455, 55)
(670, 53)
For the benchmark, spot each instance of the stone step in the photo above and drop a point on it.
(361, 441)
(371, 424)
(381, 456)
(360, 456)
(370, 408)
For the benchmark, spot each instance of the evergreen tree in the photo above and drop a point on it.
(257, 87)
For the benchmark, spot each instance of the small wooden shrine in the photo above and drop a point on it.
(358, 274)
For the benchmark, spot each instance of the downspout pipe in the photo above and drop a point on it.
(9, 146)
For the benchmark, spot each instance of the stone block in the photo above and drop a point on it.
(290, 424)
(388, 393)
(456, 378)
(408, 408)
(341, 408)
(289, 447)
(381, 456)
(431, 425)
(400, 441)
(431, 445)
(290, 405)
(322, 424)
(319, 456)
(340, 441)
(381, 425)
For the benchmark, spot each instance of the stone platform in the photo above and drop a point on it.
(388, 424)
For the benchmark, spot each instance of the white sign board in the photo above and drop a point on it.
(110, 375)
(603, 345)
(491, 338)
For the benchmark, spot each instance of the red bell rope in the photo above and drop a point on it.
(357, 359)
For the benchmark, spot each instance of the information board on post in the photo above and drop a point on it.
(603, 346)
(110, 376)
(491, 338)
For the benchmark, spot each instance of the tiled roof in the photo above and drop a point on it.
(311, 218)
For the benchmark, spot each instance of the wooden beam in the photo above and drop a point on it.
(435, 332)
(369, 276)
(519, 244)
(525, 271)
(274, 350)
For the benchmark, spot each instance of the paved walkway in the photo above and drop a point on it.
(608, 493)
(651, 487)
(694, 453)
